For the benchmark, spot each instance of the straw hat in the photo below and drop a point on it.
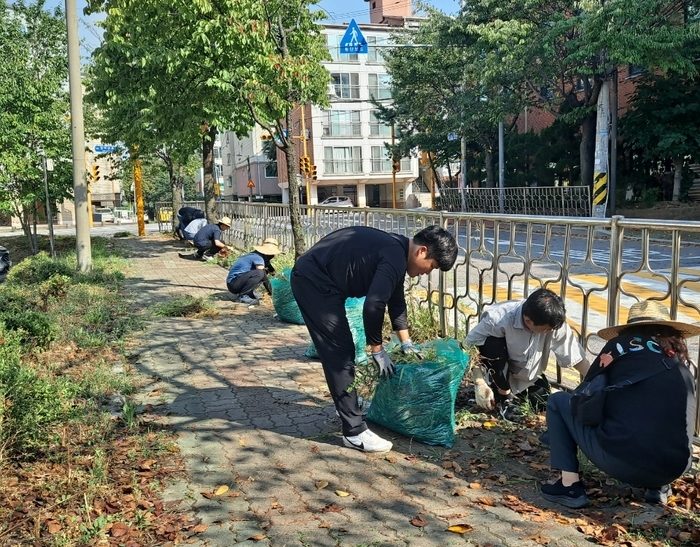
(650, 312)
(270, 247)
(224, 220)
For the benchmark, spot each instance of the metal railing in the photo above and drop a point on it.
(600, 267)
(572, 201)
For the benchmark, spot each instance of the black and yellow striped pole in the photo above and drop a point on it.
(600, 161)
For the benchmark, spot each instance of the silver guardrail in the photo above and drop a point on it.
(599, 266)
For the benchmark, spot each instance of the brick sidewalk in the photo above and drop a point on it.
(253, 413)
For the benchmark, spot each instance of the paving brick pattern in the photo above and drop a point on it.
(253, 413)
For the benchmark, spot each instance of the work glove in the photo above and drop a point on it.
(384, 362)
(408, 348)
(482, 392)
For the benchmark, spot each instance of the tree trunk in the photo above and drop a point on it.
(677, 178)
(587, 149)
(294, 205)
(177, 183)
(211, 207)
(488, 164)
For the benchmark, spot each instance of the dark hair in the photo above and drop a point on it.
(441, 245)
(544, 307)
(671, 340)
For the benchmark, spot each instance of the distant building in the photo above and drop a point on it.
(245, 160)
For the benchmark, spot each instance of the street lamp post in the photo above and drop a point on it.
(46, 166)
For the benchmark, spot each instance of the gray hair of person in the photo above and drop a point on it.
(441, 245)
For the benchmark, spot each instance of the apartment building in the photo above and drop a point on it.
(245, 160)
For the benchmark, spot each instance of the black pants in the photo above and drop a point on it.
(494, 356)
(247, 282)
(323, 310)
(211, 250)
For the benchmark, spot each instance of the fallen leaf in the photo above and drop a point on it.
(460, 528)
(200, 528)
(118, 529)
(331, 508)
(53, 526)
(540, 539)
(221, 490)
(146, 465)
(489, 425)
(486, 501)
(257, 537)
(320, 485)
(475, 486)
(418, 521)
(390, 458)
(342, 493)
(315, 449)
(461, 491)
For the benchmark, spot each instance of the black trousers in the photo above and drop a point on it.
(494, 356)
(323, 310)
(247, 282)
(211, 250)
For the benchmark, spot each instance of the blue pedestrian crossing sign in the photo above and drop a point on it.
(353, 41)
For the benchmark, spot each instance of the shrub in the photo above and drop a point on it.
(29, 405)
(34, 328)
(38, 268)
(185, 306)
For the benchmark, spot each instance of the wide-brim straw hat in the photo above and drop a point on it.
(650, 312)
(224, 220)
(270, 247)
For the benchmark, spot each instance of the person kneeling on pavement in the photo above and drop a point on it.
(193, 228)
(514, 340)
(185, 216)
(644, 431)
(251, 270)
(208, 240)
(355, 262)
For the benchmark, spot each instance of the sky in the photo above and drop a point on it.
(339, 11)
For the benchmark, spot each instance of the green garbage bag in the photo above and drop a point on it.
(353, 311)
(419, 400)
(283, 300)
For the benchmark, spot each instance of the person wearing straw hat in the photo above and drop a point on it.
(208, 240)
(644, 434)
(251, 270)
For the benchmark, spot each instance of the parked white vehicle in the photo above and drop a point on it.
(337, 201)
(103, 214)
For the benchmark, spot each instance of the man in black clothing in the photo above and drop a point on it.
(356, 262)
(185, 215)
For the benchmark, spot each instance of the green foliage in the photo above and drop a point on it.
(33, 106)
(30, 406)
(185, 306)
(36, 329)
(37, 269)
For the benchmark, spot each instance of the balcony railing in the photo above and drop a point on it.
(342, 167)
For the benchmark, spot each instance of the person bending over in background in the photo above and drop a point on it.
(356, 262)
(251, 270)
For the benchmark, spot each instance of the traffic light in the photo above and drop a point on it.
(313, 173)
(94, 173)
(305, 165)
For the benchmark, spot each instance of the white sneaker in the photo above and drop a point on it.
(367, 442)
(245, 299)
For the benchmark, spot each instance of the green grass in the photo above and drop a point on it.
(185, 306)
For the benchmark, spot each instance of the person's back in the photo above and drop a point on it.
(193, 227)
(206, 235)
(243, 264)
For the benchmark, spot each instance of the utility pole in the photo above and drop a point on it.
(501, 168)
(393, 166)
(138, 190)
(304, 151)
(47, 165)
(250, 186)
(82, 228)
(613, 142)
(462, 180)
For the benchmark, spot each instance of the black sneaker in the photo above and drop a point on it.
(657, 496)
(510, 410)
(573, 496)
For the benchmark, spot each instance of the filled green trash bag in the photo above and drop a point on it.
(283, 300)
(353, 311)
(419, 400)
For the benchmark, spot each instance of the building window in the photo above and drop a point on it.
(333, 42)
(342, 123)
(377, 127)
(381, 162)
(346, 85)
(342, 160)
(635, 70)
(374, 53)
(217, 153)
(230, 181)
(271, 170)
(379, 86)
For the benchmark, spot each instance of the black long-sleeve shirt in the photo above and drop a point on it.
(361, 261)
